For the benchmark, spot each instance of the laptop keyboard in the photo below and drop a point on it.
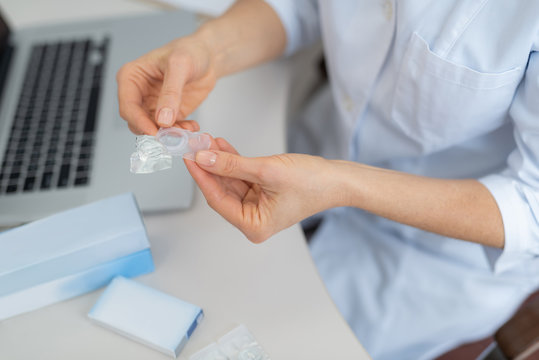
(52, 137)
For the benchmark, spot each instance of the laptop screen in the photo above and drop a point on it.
(4, 33)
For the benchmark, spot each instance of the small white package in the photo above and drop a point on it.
(146, 315)
(238, 344)
(155, 153)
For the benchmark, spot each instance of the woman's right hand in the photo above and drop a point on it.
(161, 88)
(164, 86)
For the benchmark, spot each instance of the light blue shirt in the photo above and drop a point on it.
(447, 89)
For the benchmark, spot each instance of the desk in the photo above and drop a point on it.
(272, 288)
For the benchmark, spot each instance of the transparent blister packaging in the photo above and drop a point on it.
(150, 156)
(154, 153)
(238, 344)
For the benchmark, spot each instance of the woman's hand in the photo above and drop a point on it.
(261, 196)
(164, 86)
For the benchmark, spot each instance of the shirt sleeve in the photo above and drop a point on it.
(301, 21)
(516, 189)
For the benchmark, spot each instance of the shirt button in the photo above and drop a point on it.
(388, 9)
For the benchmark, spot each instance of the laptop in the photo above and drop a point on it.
(62, 141)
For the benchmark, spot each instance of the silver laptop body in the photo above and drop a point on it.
(89, 160)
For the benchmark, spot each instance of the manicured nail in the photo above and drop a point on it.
(206, 158)
(166, 117)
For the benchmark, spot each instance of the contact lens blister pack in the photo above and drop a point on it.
(154, 153)
(238, 344)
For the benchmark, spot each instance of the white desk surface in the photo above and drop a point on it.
(272, 288)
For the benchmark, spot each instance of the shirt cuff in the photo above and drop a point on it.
(515, 212)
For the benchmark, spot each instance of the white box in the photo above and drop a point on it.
(146, 315)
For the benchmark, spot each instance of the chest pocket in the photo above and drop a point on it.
(438, 103)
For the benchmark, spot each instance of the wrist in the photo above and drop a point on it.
(224, 39)
(347, 186)
(335, 180)
(215, 47)
(249, 33)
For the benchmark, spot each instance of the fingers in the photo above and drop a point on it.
(130, 103)
(138, 121)
(168, 104)
(211, 185)
(221, 194)
(190, 125)
(217, 193)
(131, 109)
(146, 128)
(230, 165)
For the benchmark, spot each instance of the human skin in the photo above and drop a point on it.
(261, 196)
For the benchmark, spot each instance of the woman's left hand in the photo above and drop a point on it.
(261, 196)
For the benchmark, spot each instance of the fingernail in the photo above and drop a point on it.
(206, 158)
(166, 117)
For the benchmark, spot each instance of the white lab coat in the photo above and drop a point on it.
(441, 88)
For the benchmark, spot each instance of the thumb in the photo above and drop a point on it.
(168, 104)
(230, 165)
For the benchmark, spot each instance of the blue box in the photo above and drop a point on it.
(71, 253)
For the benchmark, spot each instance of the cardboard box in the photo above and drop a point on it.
(71, 253)
(146, 315)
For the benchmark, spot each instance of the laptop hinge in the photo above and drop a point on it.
(5, 61)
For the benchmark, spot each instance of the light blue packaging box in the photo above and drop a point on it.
(146, 315)
(71, 253)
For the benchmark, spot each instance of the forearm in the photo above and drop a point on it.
(249, 33)
(462, 209)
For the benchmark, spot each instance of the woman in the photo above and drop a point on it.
(439, 103)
